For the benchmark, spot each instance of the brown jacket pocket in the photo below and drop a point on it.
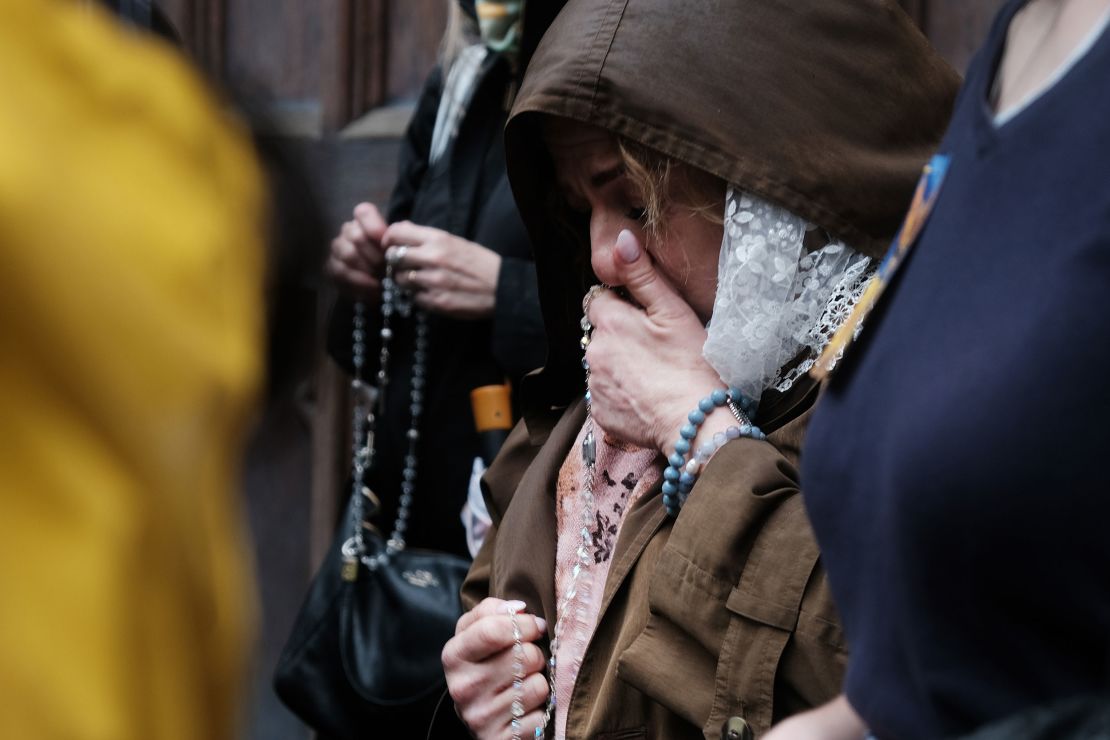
(776, 661)
(668, 666)
(748, 669)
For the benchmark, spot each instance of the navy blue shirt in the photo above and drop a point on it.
(957, 470)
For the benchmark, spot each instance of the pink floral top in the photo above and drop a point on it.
(622, 473)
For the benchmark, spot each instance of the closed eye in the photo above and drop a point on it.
(603, 178)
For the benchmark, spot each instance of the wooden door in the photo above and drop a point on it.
(319, 64)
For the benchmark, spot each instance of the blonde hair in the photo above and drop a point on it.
(664, 183)
(461, 32)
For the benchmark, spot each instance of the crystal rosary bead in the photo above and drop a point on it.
(571, 607)
(395, 302)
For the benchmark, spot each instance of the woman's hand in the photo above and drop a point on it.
(833, 721)
(356, 261)
(646, 366)
(478, 662)
(447, 274)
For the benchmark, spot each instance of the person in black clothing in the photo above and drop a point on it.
(466, 257)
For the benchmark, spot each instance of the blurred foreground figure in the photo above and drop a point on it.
(131, 317)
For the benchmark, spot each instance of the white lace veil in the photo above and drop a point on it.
(774, 298)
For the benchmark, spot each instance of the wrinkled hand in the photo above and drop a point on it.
(478, 662)
(447, 274)
(357, 259)
(646, 366)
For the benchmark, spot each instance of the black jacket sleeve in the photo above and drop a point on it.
(415, 148)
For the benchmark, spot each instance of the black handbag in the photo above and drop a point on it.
(364, 653)
(367, 648)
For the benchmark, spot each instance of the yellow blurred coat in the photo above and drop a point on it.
(130, 346)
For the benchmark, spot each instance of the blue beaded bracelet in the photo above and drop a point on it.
(682, 468)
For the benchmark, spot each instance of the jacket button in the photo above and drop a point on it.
(735, 728)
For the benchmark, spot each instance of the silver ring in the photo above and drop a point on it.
(396, 255)
(410, 278)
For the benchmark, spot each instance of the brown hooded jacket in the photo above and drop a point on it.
(826, 107)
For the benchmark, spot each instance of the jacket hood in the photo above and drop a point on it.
(828, 108)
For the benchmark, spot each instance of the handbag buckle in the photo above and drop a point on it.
(349, 571)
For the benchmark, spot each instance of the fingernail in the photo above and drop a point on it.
(515, 606)
(627, 247)
(541, 623)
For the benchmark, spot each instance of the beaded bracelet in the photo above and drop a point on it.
(682, 471)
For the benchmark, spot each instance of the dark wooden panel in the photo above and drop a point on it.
(380, 52)
(274, 46)
(201, 24)
(315, 59)
(369, 54)
(353, 62)
(415, 28)
(335, 67)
